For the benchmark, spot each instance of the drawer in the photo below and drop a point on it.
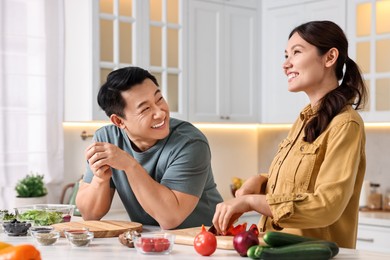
(373, 238)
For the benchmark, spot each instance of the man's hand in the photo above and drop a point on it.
(102, 156)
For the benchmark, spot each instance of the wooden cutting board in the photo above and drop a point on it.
(186, 237)
(101, 228)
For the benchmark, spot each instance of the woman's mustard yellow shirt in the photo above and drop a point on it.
(313, 189)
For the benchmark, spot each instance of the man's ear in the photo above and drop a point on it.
(331, 57)
(117, 120)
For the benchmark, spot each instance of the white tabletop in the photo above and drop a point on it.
(111, 248)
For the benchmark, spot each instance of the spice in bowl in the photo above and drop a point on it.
(16, 228)
(45, 237)
(79, 237)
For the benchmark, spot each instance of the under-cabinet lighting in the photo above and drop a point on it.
(219, 126)
(86, 124)
(225, 126)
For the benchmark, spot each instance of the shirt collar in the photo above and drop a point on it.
(308, 112)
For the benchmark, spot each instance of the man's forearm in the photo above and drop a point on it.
(94, 200)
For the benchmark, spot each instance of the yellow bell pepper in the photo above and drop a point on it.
(4, 245)
(20, 252)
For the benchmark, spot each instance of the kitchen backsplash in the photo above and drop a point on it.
(237, 151)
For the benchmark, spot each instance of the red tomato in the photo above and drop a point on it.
(205, 243)
(147, 244)
(161, 244)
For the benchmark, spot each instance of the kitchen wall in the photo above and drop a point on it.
(240, 151)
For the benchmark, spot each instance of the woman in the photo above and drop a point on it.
(314, 182)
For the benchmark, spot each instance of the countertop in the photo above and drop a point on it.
(375, 218)
(111, 248)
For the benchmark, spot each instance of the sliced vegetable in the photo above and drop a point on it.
(254, 229)
(234, 230)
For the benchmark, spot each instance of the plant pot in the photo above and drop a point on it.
(20, 201)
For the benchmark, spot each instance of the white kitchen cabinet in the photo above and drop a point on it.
(369, 38)
(279, 18)
(373, 238)
(102, 36)
(222, 70)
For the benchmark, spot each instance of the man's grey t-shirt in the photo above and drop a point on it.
(181, 162)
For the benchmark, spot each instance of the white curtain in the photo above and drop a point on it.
(31, 94)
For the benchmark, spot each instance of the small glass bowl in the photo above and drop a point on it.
(154, 243)
(16, 228)
(45, 237)
(79, 237)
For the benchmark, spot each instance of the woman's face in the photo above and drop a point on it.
(304, 68)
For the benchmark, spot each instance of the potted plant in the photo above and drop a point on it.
(31, 190)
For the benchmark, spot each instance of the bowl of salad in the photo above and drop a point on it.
(45, 214)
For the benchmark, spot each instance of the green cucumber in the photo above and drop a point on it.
(300, 251)
(254, 252)
(275, 239)
(332, 245)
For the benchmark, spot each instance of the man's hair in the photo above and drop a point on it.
(109, 97)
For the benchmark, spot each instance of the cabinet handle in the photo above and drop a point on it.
(369, 240)
(225, 117)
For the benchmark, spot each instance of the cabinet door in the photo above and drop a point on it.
(373, 238)
(279, 105)
(240, 55)
(205, 57)
(369, 38)
(102, 36)
(222, 44)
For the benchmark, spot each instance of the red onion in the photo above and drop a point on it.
(245, 240)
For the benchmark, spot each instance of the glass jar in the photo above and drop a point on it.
(386, 201)
(374, 201)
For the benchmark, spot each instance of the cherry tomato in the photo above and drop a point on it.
(147, 244)
(161, 244)
(205, 243)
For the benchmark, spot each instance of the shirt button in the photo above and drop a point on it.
(272, 186)
(280, 162)
(302, 148)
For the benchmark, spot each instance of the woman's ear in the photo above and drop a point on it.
(331, 57)
(117, 120)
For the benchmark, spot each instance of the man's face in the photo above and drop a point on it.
(146, 115)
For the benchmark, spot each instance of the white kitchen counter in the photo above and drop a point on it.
(111, 248)
(375, 218)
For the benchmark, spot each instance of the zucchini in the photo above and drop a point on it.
(332, 245)
(275, 239)
(255, 251)
(300, 251)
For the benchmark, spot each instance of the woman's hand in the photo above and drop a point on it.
(228, 212)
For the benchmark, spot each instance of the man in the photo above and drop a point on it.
(160, 166)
